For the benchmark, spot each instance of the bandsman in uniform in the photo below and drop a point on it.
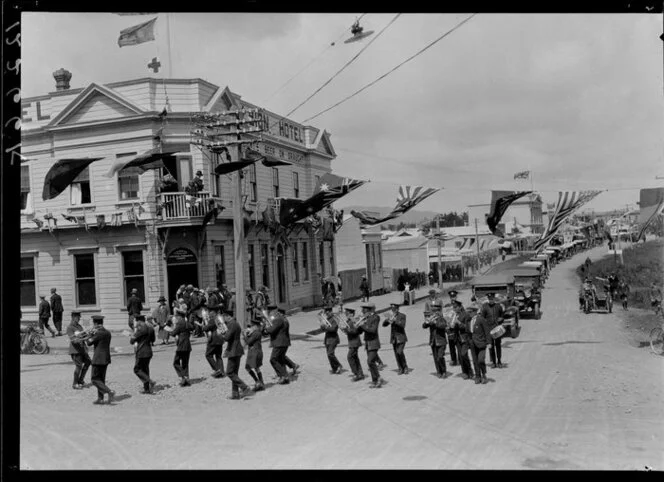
(143, 337)
(398, 337)
(234, 352)
(429, 301)
(331, 340)
(279, 341)
(437, 326)
(253, 338)
(215, 341)
(451, 331)
(354, 343)
(161, 315)
(372, 342)
(494, 314)
(100, 359)
(479, 329)
(463, 338)
(78, 351)
(182, 331)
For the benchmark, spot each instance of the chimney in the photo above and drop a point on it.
(62, 78)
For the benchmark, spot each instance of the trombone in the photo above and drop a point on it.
(323, 321)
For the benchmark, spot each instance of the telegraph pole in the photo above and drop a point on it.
(440, 258)
(477, 245)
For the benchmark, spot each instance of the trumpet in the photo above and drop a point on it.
(361, 321)
(221, 324)
(431, 319)
(268, 319)
(389, 319)
(323, 321)
(82, 336)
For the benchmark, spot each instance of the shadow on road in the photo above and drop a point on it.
(570, 342)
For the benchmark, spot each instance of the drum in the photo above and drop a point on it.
(497, 332)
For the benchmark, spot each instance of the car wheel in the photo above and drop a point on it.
(586, 307)
(536, 311)
(514, 329)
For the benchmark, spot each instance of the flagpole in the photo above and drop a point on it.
(168, 44)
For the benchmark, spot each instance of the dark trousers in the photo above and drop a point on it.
(464, 359)
(378, 360)
(99, 380)
(399, 355)
(57, 320)
(332, 358)
(43, 323)
(354, 361)
(181, 363)
(130, 322)
(194, 319)
(277, 360)
(142, 371)
(372, 361)
(213, 356)
(451, 341)
(478, 355)
(438, 353)
(232, 369)
(82, 362)
(288, 362)
(496, 351)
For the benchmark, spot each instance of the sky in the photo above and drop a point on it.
(577, 99)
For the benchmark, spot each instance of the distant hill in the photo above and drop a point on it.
(412, 216)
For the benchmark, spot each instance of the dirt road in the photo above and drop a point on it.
(575, 395)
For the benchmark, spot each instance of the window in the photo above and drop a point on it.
(368, 251)
(373, 257)
(127, 179)
(331, 258)
(28, 291)
(316, 181)
(252, 268)
(265, 264)
(220, 265)
(321, 258)
(25, 186)
(253, 186)
(296, 184)
(80, 189)
(305, 260)
(275, 181)
(296, 263)
(380, 257)
(132, 263)
(84, 272)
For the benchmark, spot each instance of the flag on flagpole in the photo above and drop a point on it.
(651, 205)
(500, 201)
(568, 202)
(407, 199)
(522, 175)
(138, 34)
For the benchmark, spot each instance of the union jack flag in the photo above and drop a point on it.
(408, 198)
(568, 202)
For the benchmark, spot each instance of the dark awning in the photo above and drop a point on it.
(265, 159)
(152, 159)
(62, 174)
(228, 167)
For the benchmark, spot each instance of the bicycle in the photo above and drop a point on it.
(33, 341)
(656, 336)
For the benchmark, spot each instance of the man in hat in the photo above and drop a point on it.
(215, 342)
(279, 341)
(134, 307)
(354, 343)
(78, 351)
(161, 315)
(230, 306)
(430, 300)
(261, 301)
(214, 301)
(196, 303)
(253, 337)
(234, 352)
(372, 342)
(100, 359)
(287, 361)
(182, 332)
(461, 320)
(494, 314)
(364, 289)
(44, 315)
(143, 337)
(480, 334)
(451, 329)
(331, 340)
(437, 327)
(57, 309)
(398, 337)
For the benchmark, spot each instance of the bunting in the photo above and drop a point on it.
(651, 205)
(500, 201)
(408, 198)
(52, 222)
(101, 221)
(38, 222)
(116, 219)
(215, 207)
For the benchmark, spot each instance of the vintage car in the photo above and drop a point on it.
(539, 264)
(555, 252)
(503, 286)
(597, 300)
(553, 256)
(545, 259)
(528, 291)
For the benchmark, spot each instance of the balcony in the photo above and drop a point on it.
(179, 206)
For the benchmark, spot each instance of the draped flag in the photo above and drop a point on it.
(329, 189)
(116, 219)
(267, 161)
(215, 208)
(228, 167)
(568, 202)
(408, 198)
(38, 222)
(152, 159)
(138, 34)
(522, 175)
(500, 201)
(651, 205)
(62, 174)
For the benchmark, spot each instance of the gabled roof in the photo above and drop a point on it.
(224, 95)
(408, 242)
(323, 143)
(88, 93)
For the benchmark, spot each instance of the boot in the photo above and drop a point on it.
(111, 396)
(485, 380)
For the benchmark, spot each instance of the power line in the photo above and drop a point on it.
(393, 69)
(345, 65)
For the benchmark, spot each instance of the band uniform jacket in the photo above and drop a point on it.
(195, 303)
(279, 336)
(437, 331)
(481, 333)
(332, 333)
(254, 348)
(56, 303)
(428, 303)
(492, 313)
(232, 339)
(215, 338)
(44, 310)
(76, 348)
(398, 329)
(143, 337)
(353, 333)
(213, 302)
(161, 314)
(370, 329)
(463, 328)
(102, 343)
(134, 305)
(183, 329)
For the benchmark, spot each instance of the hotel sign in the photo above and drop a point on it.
(282, 128)
(181, 256)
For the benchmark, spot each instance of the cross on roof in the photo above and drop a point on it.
(154, 65)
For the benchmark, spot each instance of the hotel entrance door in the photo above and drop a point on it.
(182, 269)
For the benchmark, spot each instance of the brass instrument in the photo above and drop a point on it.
(389, 319)
(323, 321)
(431, 319)
(343, 321)
(221, 324)
(83, 336)
(205, 314)
(267, 318)
(361, 321)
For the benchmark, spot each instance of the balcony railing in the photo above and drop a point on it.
(179, 205)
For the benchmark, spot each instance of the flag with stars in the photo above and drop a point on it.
(500, 201)
(407, 199)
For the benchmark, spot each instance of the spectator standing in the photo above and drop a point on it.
(364, 289)
(57, 309)
(45, 315)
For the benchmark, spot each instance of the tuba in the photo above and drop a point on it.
(323, 321)
(221, 324)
